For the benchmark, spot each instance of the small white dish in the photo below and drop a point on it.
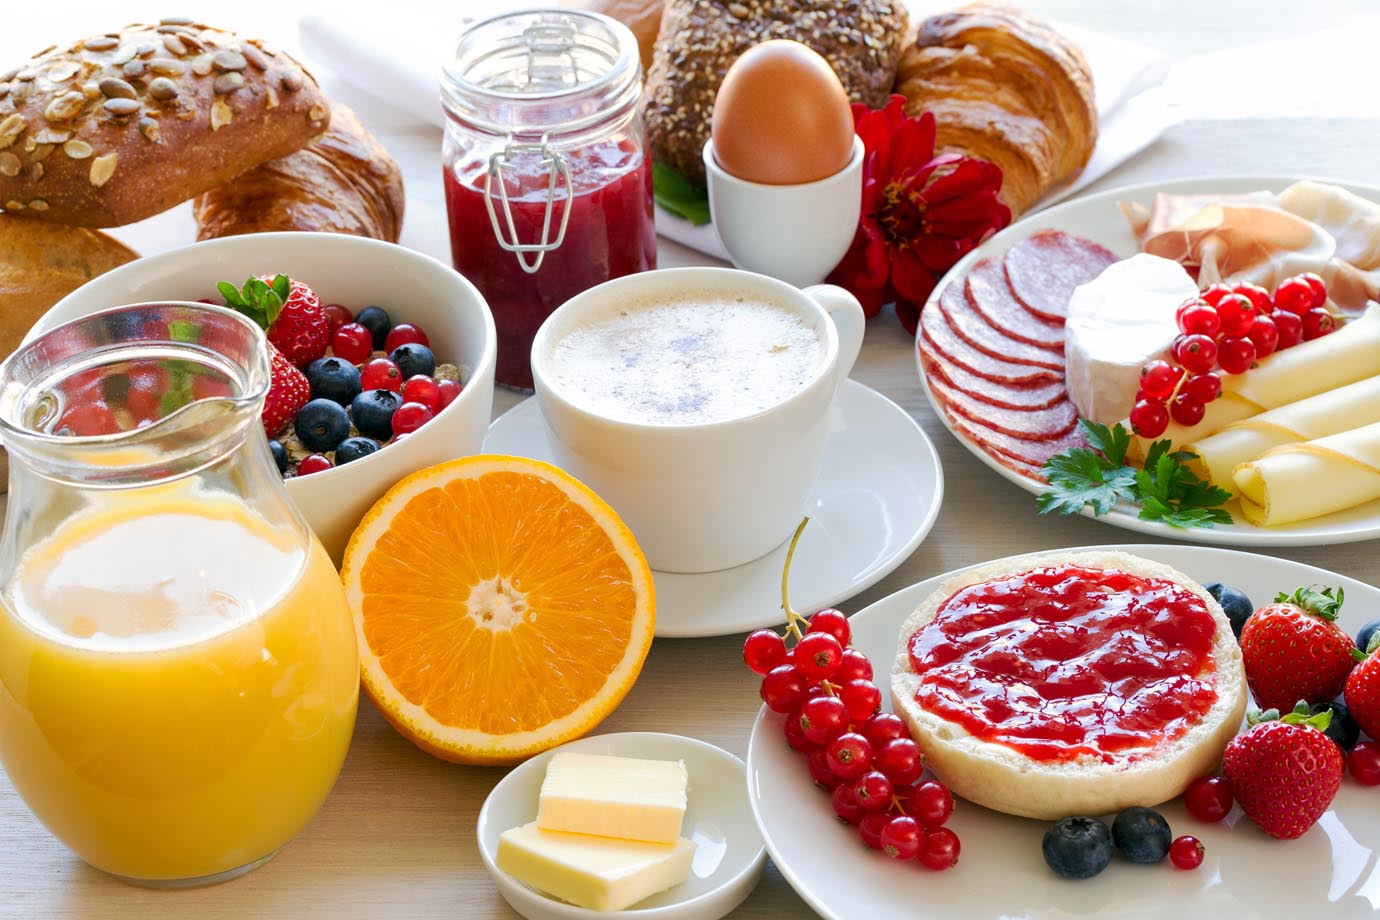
(729, 855)
(1331, 871)
(877, 496)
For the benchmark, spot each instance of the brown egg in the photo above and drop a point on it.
(781, 116)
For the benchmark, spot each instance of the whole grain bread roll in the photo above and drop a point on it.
(861, 39)
(120, 126)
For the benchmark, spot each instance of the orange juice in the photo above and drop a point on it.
(178, 713)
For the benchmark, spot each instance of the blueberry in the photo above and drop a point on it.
(1363, 638)
(376, 320)
(1235, 605)
(321, 424)
(1078, 847)
(373, 411)
(413, 359)
(1343, 728)
(334, 379)
(351, 449)
(279, 453)
(1142, 835)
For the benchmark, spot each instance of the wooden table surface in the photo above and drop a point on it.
(397, 838)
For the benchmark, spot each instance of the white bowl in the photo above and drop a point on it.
(356, 272)
(729, 855)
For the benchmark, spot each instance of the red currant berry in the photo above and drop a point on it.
(1236, 314)
(421, 388)
(795, 737)
(1158, 380)
(1236, 355)
(1176, 348)
(930, 803)
(449, 390)
(1257, 295)
(849, 755)
(1290, 328)
(353, 343)
(1199, 319)
(1203, 387)
(901, 837)
(834, 623)
(873, 791)
(818, 765)
(823, 718)
(900, 759)
(1186, 411)
(871, 828)
(1364, 763)
(854, 666)
(1186, 852)
(763, 650)
(1319, 288)
(1208, 798)
(884, 727)
(862, 699)
(337, 316)
(1149, 419)
(1265, 334)
(381, 374)
(1214, 294)
(1295, 295)
(1198, 353)
(939, 850)
(846, 804)
(404, 334)
(313, 463)
(818, 656)
(783, 688)
(1318, 323)
(410, 416)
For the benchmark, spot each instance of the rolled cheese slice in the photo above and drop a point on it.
(1296, 482)
(1348, 407)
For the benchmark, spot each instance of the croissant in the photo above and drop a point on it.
(1004, 86)
(344, 183)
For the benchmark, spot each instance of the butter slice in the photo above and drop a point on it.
(613, 797)
(598, 873)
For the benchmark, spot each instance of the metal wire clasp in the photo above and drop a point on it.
(556, 167)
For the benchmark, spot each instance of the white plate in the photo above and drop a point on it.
(1097, 218)
(1333, 870)
(728, 857)
(877, 495)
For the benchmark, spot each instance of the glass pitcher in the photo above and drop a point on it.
(178, 668)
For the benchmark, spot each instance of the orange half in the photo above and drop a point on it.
(501, 608)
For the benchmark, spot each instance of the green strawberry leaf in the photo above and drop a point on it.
(282, 286)
(255, 299)
(1324, 603)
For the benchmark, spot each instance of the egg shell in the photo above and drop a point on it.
(781, 116)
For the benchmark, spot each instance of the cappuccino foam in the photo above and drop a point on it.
(689, 360)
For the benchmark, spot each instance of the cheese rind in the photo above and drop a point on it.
(607, 796)
(598, 873)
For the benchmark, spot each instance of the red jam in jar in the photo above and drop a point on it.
(547, 179)
(1069, 661)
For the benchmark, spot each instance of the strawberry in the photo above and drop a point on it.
(289, 311)
(288, 391)
(1363, 690)
(1294, 650)
(1284, 772)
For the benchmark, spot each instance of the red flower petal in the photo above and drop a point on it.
(908, 312)
(913, 142)
(910, 276)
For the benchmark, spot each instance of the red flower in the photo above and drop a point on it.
(921, 213)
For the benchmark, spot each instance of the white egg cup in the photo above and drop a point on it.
(796, 233)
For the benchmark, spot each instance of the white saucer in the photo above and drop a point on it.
(877, 495)
(729, 854)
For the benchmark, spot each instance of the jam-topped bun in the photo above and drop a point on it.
(1069, 683)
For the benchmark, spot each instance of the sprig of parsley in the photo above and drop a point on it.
(1098, 476)
(679, 195)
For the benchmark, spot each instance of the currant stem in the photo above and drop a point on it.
(793, 619)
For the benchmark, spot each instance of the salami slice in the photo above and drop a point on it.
(991, 297)
(969, 325)
(1026, 457)
(1039, 395)
(941, 337)
(1026, 424)
(1045, 267)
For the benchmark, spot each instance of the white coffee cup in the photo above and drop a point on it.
(714, 495)
(796, 233)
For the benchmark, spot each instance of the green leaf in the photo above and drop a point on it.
(679, 195)
(229, 292)
(255, 299)
(1112, 443)
(1079, 477)
(282, 286)
(182, 330)
(1324, 603)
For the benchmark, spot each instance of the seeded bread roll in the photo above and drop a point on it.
(121, 126)
(861, 39)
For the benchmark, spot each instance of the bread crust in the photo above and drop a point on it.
(120, 126)
(1001, 778)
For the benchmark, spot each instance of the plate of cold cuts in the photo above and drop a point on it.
(1268, 389)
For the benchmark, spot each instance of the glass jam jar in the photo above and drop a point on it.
(178, 667)
(548, 182)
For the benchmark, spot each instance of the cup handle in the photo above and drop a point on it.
(847, 314)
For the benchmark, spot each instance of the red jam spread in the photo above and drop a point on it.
(1069, 661)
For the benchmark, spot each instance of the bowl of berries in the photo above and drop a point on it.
(382, 358)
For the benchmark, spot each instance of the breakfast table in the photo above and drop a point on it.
(397, 836)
